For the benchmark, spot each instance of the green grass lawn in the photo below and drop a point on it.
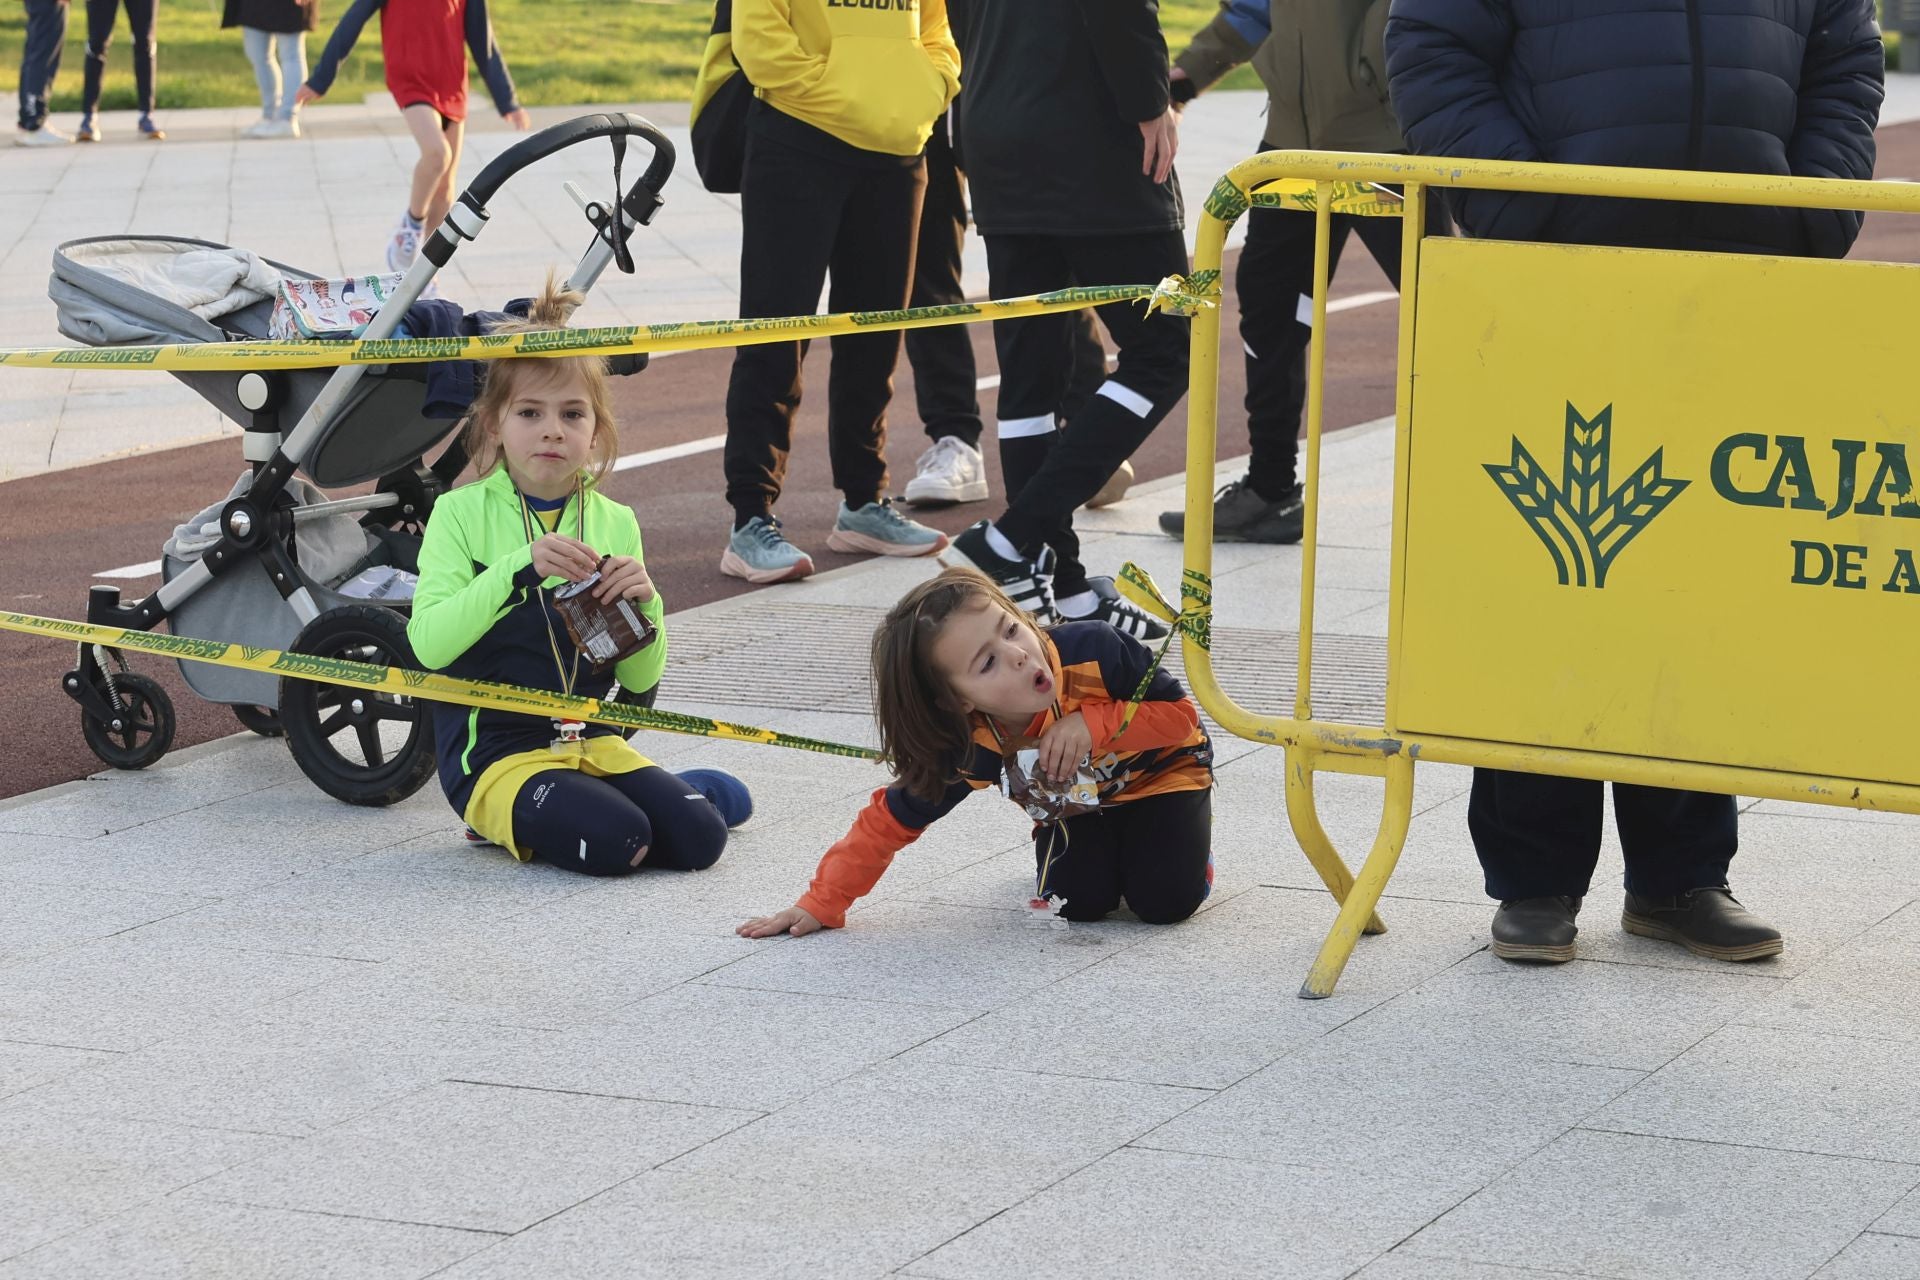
(560, 51)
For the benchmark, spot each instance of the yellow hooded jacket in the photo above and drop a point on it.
(875, 74)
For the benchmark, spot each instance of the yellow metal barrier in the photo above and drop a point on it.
(1726, 617)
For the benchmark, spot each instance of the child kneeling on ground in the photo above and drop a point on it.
(542, 437)
(968, 690)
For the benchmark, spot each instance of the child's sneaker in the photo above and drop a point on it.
(725, 792)
(89, 130)
(151, 131)
(1117, 611)
(760, 553)
(1028, 583)
(880, 529)
(404, 245)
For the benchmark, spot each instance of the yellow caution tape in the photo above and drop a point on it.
(1194, 618)
(416, 684)
(1186, 295)
(1357, 199)
(692, 335)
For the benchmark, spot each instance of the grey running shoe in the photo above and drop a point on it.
(760, 553)
(882, 530)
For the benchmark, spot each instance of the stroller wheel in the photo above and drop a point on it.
(264, 721)
(144, 730)
(356, 745)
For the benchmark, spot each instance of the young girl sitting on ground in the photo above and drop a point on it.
(963, 681)
(542, 437)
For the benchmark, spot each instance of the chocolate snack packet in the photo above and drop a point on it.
(1044, 799)
(607, 632)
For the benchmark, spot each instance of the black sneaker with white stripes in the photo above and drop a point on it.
(1120, 613)
(1028, 583)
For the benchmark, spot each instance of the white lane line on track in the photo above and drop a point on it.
(669, 453)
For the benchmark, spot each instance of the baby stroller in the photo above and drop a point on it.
(265, 568)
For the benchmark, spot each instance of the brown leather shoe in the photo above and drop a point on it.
(1540, 930)
(1708, 921)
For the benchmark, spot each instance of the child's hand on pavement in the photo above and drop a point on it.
(557, 556)
(1063, 746)
(793, 920)
(519, 119)
(304, 95)
(623, 578)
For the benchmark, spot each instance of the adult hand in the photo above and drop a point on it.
(1063, 746)
(1161, 136)
(305, 94)
(557, 556)
(623, 578)
(519, 119)
(793, 920)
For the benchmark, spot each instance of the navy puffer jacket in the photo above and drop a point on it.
(1744, 86)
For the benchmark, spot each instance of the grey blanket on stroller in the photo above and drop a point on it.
(209, 281)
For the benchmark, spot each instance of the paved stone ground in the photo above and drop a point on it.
(246, 1031)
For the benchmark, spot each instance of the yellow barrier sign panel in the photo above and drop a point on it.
(1662, 504)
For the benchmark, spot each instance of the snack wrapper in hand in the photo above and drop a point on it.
(608, 632)
(1044, 799)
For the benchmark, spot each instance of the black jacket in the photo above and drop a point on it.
(1743, 86)
(1052, 93)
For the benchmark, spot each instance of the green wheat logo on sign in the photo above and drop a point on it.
(1584, 526)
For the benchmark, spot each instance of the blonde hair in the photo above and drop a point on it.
(924, 735)
(550, 310)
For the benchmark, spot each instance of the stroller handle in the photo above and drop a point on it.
(566, 134)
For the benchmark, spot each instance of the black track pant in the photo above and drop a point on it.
(1274, 283)
(942, 358)
(1049, 473)
(615, 825)
(1156, 853)
(100, 18)
(803, 217)
(1540, 836)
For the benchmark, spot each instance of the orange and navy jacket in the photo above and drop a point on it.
(1096, 670)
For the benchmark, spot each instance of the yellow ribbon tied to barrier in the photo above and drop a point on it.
(1193, 619)
(1185, 295)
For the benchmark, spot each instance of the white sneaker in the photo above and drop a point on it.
(1115, 488)
(404, 246)
(258, 129)
(277, 128)
(45, 136)
(951, 471)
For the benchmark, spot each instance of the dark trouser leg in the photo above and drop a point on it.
(613, 826)
(1148, 381)
(942, 358)
(1166, 854)
(1537, 836)
(1673, 841)
(688, 832)
(1035, 354)
(1274, 283)
(100, 17)
(1089, 365)
(790, 205)
(872, 268)
(140, 20)
(1077, 862)
(40, 60)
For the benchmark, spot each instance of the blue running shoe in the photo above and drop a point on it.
(879, 528)
(724, 791)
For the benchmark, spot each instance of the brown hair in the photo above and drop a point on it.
(504, 377)
(924, 735)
